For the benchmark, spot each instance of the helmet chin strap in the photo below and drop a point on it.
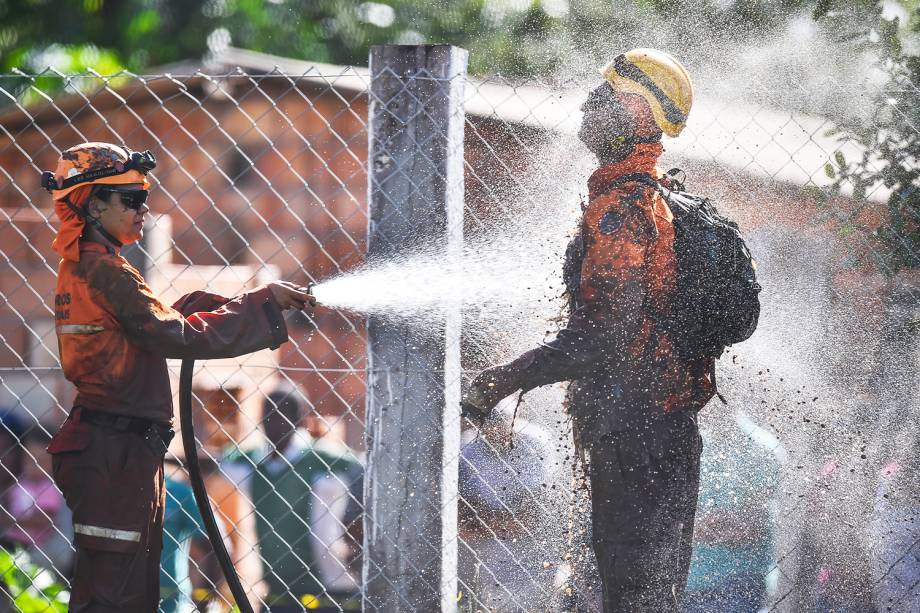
(105, 234)
(95, 223)
(621, 148)
(622, 144)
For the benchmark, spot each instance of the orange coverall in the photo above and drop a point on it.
(114, 337)
(633, 399)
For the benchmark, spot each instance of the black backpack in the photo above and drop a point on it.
(717, 301)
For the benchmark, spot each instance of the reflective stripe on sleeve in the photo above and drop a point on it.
(79, 329)
(108, 533)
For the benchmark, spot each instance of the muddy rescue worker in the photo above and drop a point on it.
(634, 401)
(114, 336)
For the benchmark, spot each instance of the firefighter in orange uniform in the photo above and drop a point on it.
(114, 336)
(633, 399)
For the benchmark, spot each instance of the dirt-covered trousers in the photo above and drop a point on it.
(644, 488)
(112, 480)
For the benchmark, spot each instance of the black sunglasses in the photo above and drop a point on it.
(132, 198)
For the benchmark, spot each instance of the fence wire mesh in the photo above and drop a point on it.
(809, 490)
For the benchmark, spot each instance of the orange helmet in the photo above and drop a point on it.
(91, 163)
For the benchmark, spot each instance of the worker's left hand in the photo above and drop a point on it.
(486, 390)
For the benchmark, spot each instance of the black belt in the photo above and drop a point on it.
(122, 423)
(156, 435)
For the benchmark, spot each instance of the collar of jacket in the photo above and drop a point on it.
(98, 248)
(643, 158)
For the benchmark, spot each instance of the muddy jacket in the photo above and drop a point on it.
(614, 344)
(114, 334)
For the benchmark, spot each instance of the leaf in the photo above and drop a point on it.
(822, 8)
(818, 196)
(859, 190)
(829, 171)
(841, 161)
(17, 574)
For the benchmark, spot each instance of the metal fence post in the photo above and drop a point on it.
(413, 427)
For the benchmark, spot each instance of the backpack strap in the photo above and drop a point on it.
(712, 377)
(645, 179)
(676, 176)
(635, 177)
(649, 180)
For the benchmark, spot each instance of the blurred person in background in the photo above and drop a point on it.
(300, 488)
(893, 530)
(114, 336)
(181, 525)
(353, 519)
(40, 518)
(328, 434)
(506, 468)
(735, 535)
(893, 535)
(190, 578)
(824, 561)
(11, 429)
(218, 426)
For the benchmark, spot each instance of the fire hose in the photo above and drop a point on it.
(198, 487)
(201, 494)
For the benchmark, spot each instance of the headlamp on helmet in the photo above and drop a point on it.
(141, 162)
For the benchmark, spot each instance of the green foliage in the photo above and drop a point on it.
(514, 37)
(31, 588)
(891, 139)
(144, 33)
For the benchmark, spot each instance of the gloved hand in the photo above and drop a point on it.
(291, 296)
(486, 390)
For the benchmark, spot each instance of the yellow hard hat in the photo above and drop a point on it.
(660, 79)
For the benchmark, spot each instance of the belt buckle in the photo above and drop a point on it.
(155, 440)
(166, 434)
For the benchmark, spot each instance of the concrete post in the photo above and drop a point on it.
(415, 183)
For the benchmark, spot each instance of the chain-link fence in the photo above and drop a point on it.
(809, 492)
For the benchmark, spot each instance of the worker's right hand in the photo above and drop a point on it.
(291, 296)
(487, 389)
